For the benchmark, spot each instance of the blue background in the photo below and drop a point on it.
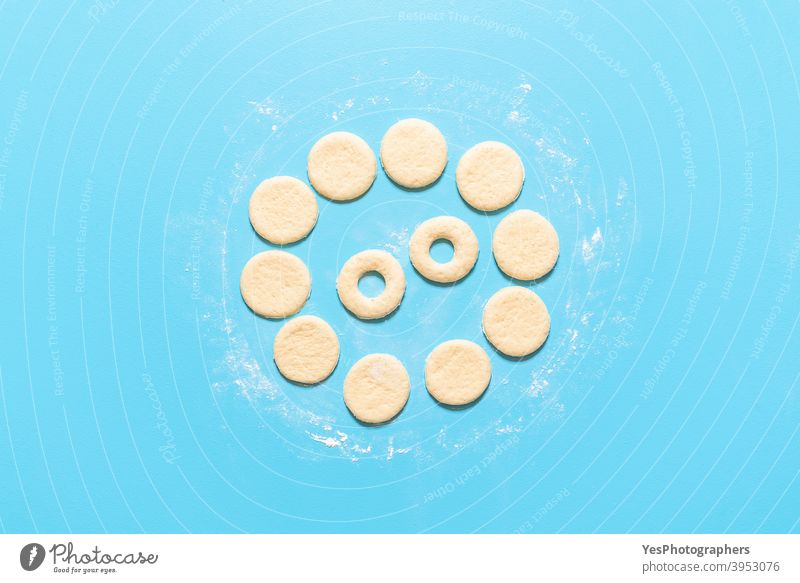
(138, 392)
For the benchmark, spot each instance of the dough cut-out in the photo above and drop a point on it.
(457, 372)
(283, 210)
(376, 388)
(465, 249)
(275, 284)
(489, 176)
(525, 245)
(414, 153)
(516, 321)
(341, 166)
(359, 265)
(306, 350)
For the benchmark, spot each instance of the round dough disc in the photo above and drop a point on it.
(306, 350)
(341, 166)
(283, 210)
(457, 372)
(275, 284)
(525, 245)
(414, 153)
(376, 388)
(465, 249)
(516, 321)
(489, 176)
(355, 268)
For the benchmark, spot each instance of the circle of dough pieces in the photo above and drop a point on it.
(516, 321)
(306, 350)
(376, 389)
(355, 268)
(457, 372)
(525, 245)
(414, 153)
(465, 249)
(489, 176)
(283, 210)
(341, 166)
(275, 284)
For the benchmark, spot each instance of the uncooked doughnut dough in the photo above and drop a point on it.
(275, 284)
(355, 268)
(306, 350)
(283, 210)
(489, 176)
(465, 249)
(376, 388)
(516, 321)
(525, 245)
(341, 166)
(457, 372)
(413, 153)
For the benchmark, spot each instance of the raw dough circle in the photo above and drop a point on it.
(355, 268)
(341, 166)
(516, 321)
(465, 249)
(306, 350)
(457, 372)
(525, 245)
(489, 176)
(376, 389)
(414, 153)
(275, 284)
(283, 210)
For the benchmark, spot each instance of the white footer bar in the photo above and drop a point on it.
(447, 558)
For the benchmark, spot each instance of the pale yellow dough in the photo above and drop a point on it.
(414, 153)
(283, 210)
(306, 350)
(275, 284)
(355, 268)
(457, 372)
(376, 389)
(525, 245)
(465, 249)
(341, 166)
(516, 321)
(490, 176)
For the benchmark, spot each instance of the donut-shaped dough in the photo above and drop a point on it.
(306, 350)
(465, 249)
(283, 210)
(489, 176)
(275, 284)
(516, 321)
(457, 372)
(376, 389)
(525, 245)
(341, 166)
(413, 153)
(359, 265)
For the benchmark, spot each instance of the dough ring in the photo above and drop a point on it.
(516, 321)
(359, 265)
(376, 389)
(341, 166)
(457, 372)
(414, 153)
(275, 284)
(465, 249)
(489, 176)
(525, 245)
(283, 210)
(306, 350)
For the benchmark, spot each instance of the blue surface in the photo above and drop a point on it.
(139, 393)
